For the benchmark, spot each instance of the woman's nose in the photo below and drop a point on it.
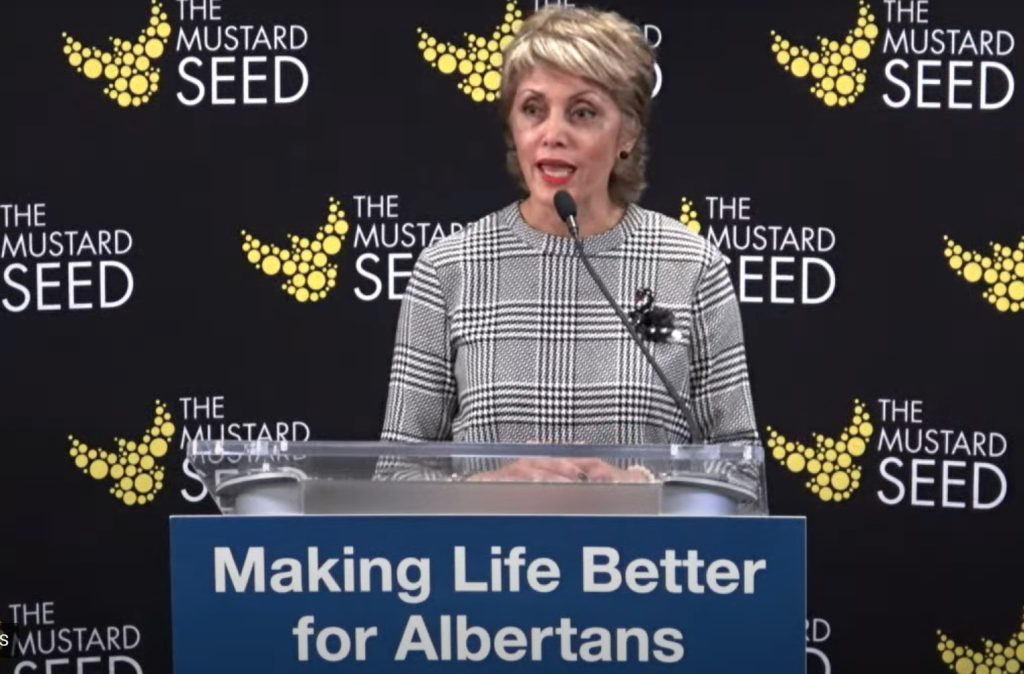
(555, 132)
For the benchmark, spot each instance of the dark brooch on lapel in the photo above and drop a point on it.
(652, 322)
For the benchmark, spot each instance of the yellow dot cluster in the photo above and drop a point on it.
(996, 658)
(128, 69)
(1003, 272)
(688, 215)
(834, 475)
(479, 62)
(134, 469)
(306, 265)
(835, 67)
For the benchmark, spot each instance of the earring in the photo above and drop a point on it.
(623, 154)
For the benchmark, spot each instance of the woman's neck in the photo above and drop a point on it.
(594, 216)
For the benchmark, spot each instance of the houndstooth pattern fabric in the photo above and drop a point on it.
(502, 336)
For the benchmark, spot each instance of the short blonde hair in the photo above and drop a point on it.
(602, 47)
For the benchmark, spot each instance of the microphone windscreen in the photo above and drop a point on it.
(565, 205)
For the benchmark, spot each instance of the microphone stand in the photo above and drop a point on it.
(695, 433)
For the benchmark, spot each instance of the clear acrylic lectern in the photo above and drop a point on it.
(265, 477)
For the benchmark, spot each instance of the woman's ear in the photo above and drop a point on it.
(628, 136)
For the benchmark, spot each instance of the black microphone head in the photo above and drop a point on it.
(565, 205)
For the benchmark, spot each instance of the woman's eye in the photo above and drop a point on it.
(531, 109)
(584, 113)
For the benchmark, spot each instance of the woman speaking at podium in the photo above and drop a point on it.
(504, 336)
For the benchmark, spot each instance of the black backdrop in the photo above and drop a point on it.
(889, 566)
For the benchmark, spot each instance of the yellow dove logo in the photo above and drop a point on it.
(688, 215)
(133, 469)
(833, 474)
(1002, 272)
(835, 66)
(995, 657)
(479, 61)
(306, 264)
(128, 69)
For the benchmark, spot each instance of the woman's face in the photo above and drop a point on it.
(568, 134)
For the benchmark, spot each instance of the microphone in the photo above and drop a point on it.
(565, 205)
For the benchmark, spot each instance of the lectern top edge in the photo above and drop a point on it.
(369, 449)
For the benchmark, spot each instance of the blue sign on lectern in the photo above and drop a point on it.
(475, 594)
